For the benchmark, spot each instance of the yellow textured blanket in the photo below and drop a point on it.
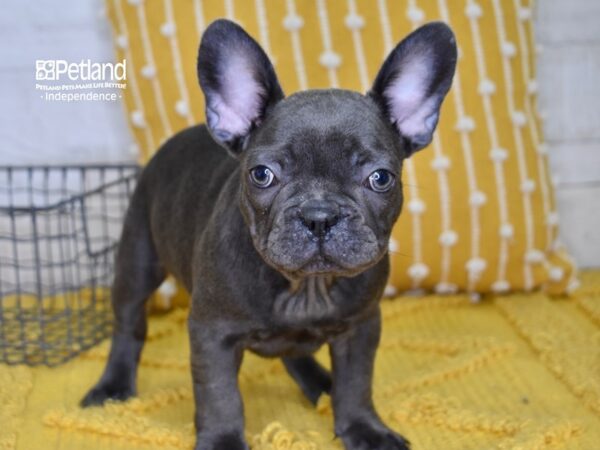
(517, 372)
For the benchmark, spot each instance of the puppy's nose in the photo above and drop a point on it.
(319, 215)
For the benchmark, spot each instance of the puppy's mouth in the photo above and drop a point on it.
(346, 251)
(321, 265)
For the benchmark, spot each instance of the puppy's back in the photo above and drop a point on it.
(179, 188)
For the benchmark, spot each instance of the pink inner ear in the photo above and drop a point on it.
(409, 106)
(238, 103)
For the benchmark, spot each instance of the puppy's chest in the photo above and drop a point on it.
(302, 318)
(307, 302)
(290, 341)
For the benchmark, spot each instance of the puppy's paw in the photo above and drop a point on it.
(229, 441)
(106, 391)
(363, 436)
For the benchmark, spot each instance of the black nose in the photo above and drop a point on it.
(319, 215)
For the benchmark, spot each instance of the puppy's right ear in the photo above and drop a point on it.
(414, 80)
(239, 83)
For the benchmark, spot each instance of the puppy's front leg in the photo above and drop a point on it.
(215, 363)
(352, 359)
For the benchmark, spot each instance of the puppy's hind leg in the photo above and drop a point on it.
(312, 378)
(137, 274)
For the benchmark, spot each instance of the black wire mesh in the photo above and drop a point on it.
(59, 227)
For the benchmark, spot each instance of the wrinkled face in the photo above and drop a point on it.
(321, 184)
(320, 170)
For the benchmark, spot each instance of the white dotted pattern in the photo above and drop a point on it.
(294, 23)
(519, 120)
(532, 87)
(465, 125)
(329, 58)
(168, 30)
(487, 85)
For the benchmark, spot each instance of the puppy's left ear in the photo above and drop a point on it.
(414, 80)
(238, 81)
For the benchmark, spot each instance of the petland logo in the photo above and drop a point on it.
(62, 81)
(86, 70)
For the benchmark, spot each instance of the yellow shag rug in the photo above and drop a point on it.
(515, 372)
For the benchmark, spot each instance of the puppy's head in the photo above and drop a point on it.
(320, 170)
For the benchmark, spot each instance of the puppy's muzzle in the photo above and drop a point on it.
(319, 216)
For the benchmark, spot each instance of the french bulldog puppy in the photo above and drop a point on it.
(282, 240)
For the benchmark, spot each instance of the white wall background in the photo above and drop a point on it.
(36, 131)
(569, 79)
(33, 130)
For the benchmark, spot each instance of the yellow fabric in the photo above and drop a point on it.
(480, 213)
(516, 372)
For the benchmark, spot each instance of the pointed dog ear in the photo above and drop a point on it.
(238, 81)
(413, 81)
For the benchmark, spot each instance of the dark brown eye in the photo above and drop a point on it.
(381, 180)
(262, 176)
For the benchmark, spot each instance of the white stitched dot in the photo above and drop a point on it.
(415, 14)
(542, 148)
(518, 118)
(148, 71)
(507, 230)
(508, 49)
(181, 108)
(487, 87)
(135, 2)
(501, 286)
(473, 11)
(354, 21)
(532, 86)
(390, 291)
(478, 198)
(524, 13)
(330, 59)
(137, 119)
(476, 265)
(293, 22)
(167, 29)
(122, 41)
(168, 288)
(535, 256)
(527, 186)
(393, 245)
(448, 238)
(552, 218)
(475, 297)
(465, 124)
(418, 271)
(498, 154)
(556, 273)
(446, 288)
(440, 163)
(416, 206)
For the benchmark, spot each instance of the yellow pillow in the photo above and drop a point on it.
(479, 213)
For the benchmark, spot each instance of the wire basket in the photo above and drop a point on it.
(59, 227)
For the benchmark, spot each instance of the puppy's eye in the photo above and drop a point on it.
(262, 176)
(381, 180)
